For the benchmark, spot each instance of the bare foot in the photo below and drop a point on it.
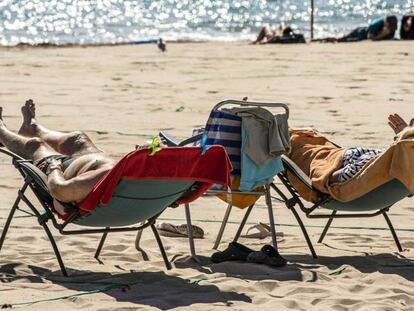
(28, 127)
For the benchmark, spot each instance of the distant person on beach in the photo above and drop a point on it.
(407, 28)
(282, 34)
(71, 161)
(379, 29)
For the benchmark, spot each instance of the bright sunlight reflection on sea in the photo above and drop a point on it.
(117, 21)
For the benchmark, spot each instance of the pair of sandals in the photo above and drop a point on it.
(268, 255)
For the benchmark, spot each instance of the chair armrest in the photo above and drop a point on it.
(191, 140)
(295, 170)
(171, 141)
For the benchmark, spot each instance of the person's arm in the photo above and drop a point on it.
(74, 189)
(384, 32)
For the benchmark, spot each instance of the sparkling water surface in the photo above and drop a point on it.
(116, 21)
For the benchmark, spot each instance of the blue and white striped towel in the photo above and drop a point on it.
(224, 128)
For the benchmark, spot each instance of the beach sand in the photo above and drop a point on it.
(123, 95)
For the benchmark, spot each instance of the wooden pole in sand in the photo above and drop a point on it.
(311, 18)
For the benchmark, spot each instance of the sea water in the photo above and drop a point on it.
(115, 21)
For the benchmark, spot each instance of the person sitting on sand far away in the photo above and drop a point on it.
(407, 28)
(267, 35)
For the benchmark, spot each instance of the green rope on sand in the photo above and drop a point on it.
(124, 287)
(197, 281)
(254, 223)
(337, 271)
(289, 225)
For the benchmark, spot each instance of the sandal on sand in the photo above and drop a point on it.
(268, 255)
(178, 231)
(235, 251)
(262, 231)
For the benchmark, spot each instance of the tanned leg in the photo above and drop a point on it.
(71, 144)
(29, 148)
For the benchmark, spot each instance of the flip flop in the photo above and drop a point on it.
(178, 231)
(235, 251)
(268, 255)
(262, 231)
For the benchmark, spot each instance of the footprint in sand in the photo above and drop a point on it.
(327, 97)
(334, 113)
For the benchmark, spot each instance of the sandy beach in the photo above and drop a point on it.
(123, 95)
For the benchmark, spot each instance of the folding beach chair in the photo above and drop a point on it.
(171, 141)
(131, 193)
(377, 202)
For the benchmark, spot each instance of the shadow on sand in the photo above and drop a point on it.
(155, 289)
(303, 267)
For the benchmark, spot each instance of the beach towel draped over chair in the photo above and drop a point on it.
(137, 190)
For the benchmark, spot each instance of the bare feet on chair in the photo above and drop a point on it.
(28, 127)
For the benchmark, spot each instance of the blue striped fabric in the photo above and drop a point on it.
(224, 128)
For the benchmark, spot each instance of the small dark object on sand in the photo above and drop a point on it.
(161, 45)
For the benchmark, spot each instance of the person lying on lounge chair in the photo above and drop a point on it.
(354, 159)
(307, 146)
(71, 161)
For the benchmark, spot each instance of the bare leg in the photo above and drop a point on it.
(28, 148)
(71, 144)
(264, 35)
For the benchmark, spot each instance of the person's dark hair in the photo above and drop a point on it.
(392, 21)
(407, 27)
(288, 31)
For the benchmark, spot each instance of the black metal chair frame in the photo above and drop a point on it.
(295, 199)
(34, 181)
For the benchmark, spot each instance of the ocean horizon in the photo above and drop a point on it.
(118, 22)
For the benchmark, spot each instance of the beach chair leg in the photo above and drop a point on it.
(101, 243)
(223, 226)
(55, 249)
(190, 234)
(328, 224)
(161, 247)
(8, 221)
(138, 247)
(243, 223)
(271, 217)
(43, 222)
(11, 214)
(394, 234)
(305, 233)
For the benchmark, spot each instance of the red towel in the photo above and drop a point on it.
(174, 163)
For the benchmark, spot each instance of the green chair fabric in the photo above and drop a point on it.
(134, 201)
(377, 199)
